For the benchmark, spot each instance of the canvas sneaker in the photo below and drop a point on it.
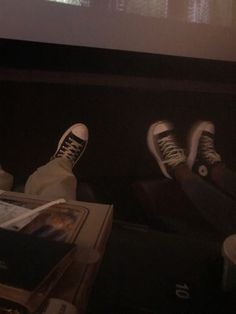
(72, 143)
(201, 148)
(162, 143)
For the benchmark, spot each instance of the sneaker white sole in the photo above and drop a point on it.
(193, 141)
(152, 148)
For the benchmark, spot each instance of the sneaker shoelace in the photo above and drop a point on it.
(207, 150)
(173, 154)
(71, 149)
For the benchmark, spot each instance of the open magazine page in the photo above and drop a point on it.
(8, 211)
(59, 223)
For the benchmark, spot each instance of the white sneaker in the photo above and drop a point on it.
(201, 148)
(72, 143)
(163, 145)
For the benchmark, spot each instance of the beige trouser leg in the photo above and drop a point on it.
(53, 180)
(6, 180)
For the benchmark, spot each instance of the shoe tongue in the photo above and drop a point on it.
(76, 138)
(164, 134)
(209, 134)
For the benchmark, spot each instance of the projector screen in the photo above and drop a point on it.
(190, 28)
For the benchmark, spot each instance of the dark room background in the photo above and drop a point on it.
(47, 83)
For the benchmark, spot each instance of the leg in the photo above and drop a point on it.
(56, 179)
(224, 179)
(53, 180)
(216, 207)
(6, 180)
(205, 161)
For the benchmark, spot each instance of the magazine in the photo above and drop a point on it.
(37, 248)
(53, 220)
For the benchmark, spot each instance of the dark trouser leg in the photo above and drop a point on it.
(224, 179)
(215, 206)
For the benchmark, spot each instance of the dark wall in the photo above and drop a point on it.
(34, 115)
(33, 55)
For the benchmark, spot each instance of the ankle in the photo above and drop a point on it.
(182, 172)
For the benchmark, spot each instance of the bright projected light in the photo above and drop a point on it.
(74, 2)
(191, 28)
(207, 12)
(195, 11)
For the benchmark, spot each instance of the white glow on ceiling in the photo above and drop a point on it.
(217, 12)
(85, 3)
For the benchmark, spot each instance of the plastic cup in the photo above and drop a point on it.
(229, 271)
